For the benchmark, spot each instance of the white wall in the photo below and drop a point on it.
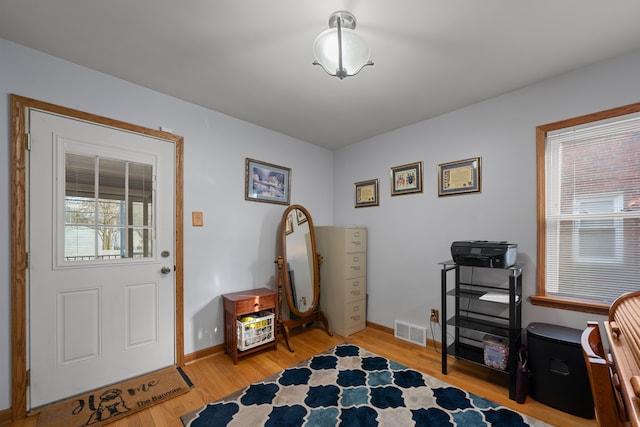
(410, 234)
(236, 248)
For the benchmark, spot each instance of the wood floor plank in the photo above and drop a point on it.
(216, 376)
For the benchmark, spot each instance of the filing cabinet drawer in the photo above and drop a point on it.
(355, 265)
(355, 240)
(355, 289)
(355, 316)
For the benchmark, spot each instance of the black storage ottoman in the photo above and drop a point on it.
(560, 377)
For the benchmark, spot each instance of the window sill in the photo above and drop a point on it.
(564, 304)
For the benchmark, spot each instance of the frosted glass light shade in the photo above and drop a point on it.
(355, 51)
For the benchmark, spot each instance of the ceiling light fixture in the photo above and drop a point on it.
(339, 48)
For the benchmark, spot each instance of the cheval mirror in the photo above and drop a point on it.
(299, 272)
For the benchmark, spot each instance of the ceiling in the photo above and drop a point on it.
(251, 59)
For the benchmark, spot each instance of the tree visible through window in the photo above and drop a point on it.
(589, 210)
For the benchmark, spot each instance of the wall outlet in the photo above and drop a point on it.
(435, 315)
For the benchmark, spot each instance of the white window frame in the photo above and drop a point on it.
(617, 203)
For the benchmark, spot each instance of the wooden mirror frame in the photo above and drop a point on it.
(314, 313)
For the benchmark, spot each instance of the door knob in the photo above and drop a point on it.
(165, 270)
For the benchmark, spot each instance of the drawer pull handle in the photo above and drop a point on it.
(355, 267)
(356, 308)
(355, 292)
(355, 317)
(356, 283)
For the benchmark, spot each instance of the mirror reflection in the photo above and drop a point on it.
(300, 261)
(298, 272)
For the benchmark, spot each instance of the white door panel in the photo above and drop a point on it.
(101, 211)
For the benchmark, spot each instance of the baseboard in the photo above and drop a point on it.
(205, 352)
(380, 327)
(430, 343)
(5, 416)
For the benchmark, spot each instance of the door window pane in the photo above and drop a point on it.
(79, 210)
(108, 208)
(140, 193)
(79, 243)
(111, 179)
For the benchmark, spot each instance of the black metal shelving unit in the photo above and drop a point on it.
(482, 311)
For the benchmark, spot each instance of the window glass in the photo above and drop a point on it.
(108, 209)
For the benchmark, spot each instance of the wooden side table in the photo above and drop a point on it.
(245, 303)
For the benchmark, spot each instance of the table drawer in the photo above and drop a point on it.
(256, 304)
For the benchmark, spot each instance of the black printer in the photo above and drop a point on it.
(484, 253)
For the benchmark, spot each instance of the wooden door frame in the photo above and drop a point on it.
(19, 257)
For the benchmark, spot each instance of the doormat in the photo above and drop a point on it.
(108, 404)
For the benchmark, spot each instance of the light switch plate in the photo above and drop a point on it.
(196, 219)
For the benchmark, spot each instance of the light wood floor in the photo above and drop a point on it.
(216, 376)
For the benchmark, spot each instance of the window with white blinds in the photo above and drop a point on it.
(592, 210)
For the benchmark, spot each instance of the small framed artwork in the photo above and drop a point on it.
(300, 217)
(288, 225)
(406, 179)
(266, 182)
(366, 193)
(459, 177)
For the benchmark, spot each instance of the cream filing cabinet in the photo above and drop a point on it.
(343, 277)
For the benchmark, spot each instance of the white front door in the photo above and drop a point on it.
(101, 239)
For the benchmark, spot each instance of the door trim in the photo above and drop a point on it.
(19, 106)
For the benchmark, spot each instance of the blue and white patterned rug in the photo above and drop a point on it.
(350, 386)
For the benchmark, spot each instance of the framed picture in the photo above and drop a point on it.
(288, 224)
(300, 216)
(459, 177)
(265, 182)
(366, 193)
(406, 179)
